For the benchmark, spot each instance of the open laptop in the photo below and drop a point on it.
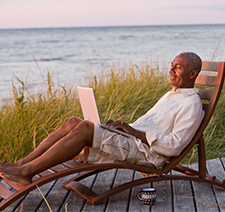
(90, 109)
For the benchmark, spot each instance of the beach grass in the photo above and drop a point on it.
(124, 94)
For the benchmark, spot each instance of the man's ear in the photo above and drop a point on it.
(194, 74)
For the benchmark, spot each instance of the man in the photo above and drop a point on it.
(164, 131)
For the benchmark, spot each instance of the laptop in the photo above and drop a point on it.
(90, 110)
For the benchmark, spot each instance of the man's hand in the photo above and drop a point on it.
(123, 126)
(118, 125)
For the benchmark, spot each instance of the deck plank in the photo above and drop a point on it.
(215, 167)
(135, 204)
(164, 201)
(57, 195)
(119, 202)
(204, 195)
(34, 198)
(182, 195)
(103, 183)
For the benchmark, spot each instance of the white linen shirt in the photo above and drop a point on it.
(170, 125)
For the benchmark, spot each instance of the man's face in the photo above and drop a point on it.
(180, 72)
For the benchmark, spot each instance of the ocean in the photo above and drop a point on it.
(75, 53)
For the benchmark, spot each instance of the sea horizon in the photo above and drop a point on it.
(113, 26)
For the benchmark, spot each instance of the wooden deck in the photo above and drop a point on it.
(171, 195)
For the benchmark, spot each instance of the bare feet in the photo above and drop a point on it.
(15, 174)
(8, 165)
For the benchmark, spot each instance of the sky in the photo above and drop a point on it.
(78, 13)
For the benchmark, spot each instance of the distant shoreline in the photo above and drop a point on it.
(113, 26)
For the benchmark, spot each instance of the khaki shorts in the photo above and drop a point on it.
(110, 147)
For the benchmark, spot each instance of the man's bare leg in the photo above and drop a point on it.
(48, 142)
(63, 150)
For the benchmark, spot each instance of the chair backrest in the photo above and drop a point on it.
(211, 80)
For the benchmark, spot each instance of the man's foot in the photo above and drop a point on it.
(15, 174)
(8, 165)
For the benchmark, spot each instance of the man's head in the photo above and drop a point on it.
(184, 69)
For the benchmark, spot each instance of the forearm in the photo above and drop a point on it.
(128, 129)
(141, 135)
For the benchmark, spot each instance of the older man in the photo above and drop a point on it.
(164, 131)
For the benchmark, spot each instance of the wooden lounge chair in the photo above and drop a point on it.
(213, 84)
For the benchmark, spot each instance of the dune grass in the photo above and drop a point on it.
(123, 94)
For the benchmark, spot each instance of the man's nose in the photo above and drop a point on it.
(172, 70)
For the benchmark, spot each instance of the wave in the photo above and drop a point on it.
(16, 63)
(125, 37)
(51, 59)
(27, 62)
(50, 41)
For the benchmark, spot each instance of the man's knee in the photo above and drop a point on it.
(74, 121)
(86, 127)
(71, 123)
(85, 130)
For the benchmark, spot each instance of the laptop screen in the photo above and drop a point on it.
(88, 104)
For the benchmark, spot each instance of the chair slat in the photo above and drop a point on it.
(205, 80)
(72, 163)
(5, 192)
(45, 173)
(205, 94)
(58, 168)
(16, 186)
(210, 66)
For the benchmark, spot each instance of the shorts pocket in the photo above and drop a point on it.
(115, 146)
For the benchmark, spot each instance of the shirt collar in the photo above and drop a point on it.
(186, 91)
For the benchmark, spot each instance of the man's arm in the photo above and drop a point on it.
(185, 125)
(128, 129)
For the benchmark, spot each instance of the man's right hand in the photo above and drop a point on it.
(109, 122)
